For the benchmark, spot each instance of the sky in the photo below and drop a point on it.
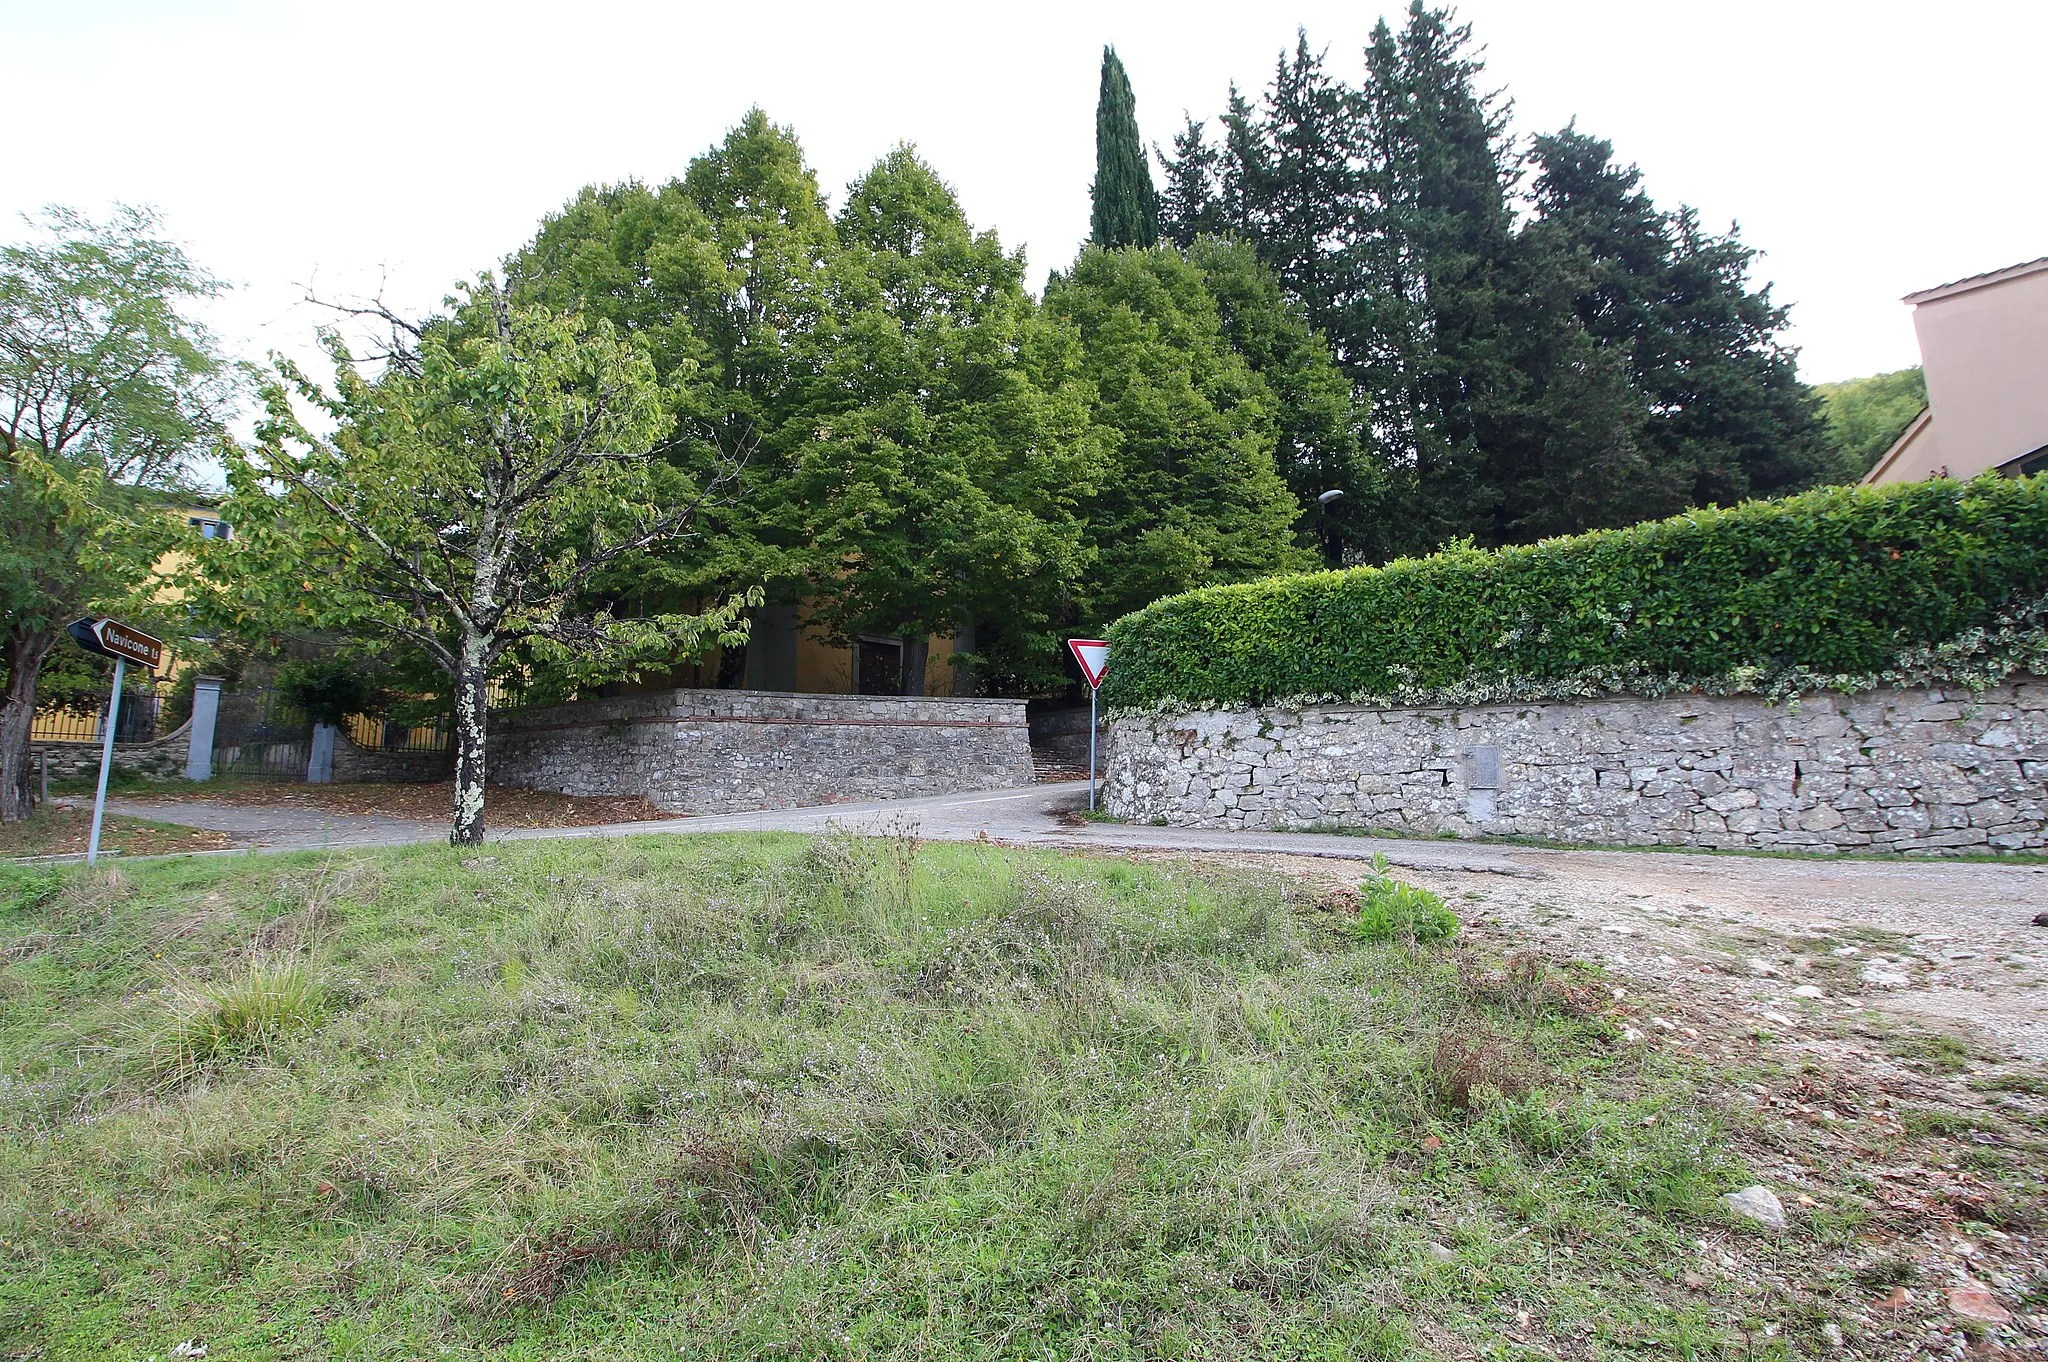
(1868, 149)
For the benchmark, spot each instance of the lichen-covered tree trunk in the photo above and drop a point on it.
(25, 653)
(471, 692)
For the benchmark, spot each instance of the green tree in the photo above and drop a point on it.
(1726, 416)
(107, 387)
(1865, 416)
(721, 276)
(951, 448)
(466, 503)
(1191, 205)
(1299, 184)
(1318, 427)
(1126, 208)
(1191, 495)
(920, 437)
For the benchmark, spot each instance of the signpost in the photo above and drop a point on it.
(110, 638)
(1093, 655)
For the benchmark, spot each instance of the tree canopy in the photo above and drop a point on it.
(1541, 348)
(933, 451)
(108, 386)
(1866, 416)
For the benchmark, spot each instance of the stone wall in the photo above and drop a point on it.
(1923, 770)
(356, 764)
(159, 759)
(718, 751)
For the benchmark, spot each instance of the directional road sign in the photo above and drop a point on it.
(111, 638)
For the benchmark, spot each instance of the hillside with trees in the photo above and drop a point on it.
(1866, 415)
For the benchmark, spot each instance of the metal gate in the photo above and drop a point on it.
(258, 735)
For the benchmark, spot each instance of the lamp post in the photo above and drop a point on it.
(1333, 555)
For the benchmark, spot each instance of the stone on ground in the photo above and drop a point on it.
(1759, 1204)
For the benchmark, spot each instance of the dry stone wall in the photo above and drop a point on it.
(719, 751)
(1921, 770)
(158, 759)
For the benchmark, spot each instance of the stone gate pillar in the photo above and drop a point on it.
(205, 711)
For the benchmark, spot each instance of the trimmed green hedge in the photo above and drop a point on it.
(1844, 587)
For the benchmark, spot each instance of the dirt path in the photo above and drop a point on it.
(1785, 946)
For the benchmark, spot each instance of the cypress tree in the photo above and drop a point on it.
(1126, 207)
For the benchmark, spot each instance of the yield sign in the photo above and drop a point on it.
(1093, 655)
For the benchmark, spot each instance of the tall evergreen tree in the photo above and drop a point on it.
(1303, 188)
(1190, 207)
(1436, 245)
(1724, 415)
(1126, 207)
(1607, 361)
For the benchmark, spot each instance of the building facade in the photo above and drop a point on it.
(1984, 349)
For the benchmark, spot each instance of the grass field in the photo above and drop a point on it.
(775, 1097)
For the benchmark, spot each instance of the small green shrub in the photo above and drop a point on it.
(1394, 910)
(1844, 586)
(265, 1000)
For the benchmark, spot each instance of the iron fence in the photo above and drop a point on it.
(83, 718)
(258, 734)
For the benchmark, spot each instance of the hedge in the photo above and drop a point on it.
(1845, 588)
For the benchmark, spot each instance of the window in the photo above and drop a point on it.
(211, 529)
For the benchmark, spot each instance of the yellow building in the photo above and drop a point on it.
(53, 724)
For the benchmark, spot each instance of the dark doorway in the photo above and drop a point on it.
(878, 664)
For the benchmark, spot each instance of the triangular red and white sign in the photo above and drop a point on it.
(1093, 655)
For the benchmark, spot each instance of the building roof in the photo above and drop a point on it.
(1900, 445)
(1977, 281)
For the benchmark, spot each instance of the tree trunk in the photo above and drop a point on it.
(25, 654)
(471, 692)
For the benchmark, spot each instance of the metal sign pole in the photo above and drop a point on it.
(99, 804)
(1093, 691)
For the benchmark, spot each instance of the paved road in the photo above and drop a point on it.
(1030, 816)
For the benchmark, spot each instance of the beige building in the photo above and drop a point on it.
(1984, 348)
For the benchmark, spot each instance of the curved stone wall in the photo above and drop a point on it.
(723, 751)
(1925, 770)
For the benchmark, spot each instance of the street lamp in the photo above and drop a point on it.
(1333, 553)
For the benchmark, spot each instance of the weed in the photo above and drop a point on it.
(264, 1000)
(1394, 910)
(1894, 1269)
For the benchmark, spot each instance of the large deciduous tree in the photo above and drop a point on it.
(107, 386)
(469, 499)
(1191, 495)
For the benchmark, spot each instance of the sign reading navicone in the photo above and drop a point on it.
(111, 638)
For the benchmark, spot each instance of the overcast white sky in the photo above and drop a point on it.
(1869, 149)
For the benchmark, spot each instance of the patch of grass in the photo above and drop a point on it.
(843, 1097)
(1943, 1054)
(1394, 910)
(55, 831)
(249, 1009)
